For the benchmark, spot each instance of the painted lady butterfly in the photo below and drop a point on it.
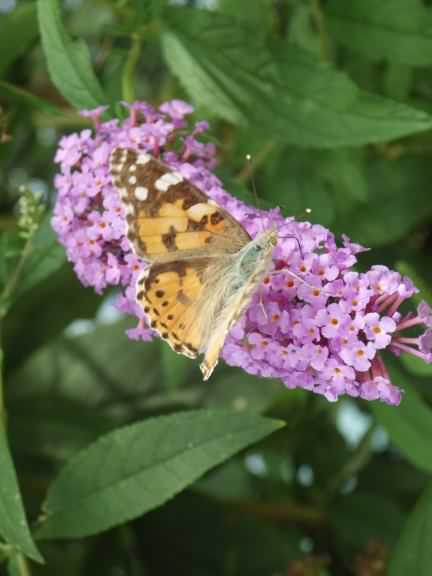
(204, 266)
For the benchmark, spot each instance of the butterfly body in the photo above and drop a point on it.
(204, 266)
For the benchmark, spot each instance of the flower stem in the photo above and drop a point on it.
(325, 48)
(23, 568)
(128, 80)
(13, 280)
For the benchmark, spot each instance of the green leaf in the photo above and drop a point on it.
(284, 91)
(46, 257)
(413, 553)
(395, 30)
(318, 106)
(137, 468)
(18, 29)
(13, 522)
(210, 53)
(68, 62)
(409, 426)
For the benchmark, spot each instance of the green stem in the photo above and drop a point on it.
(128, 80)
(10, 286)
(325, 47)
(22, 565)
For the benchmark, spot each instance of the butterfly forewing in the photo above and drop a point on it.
(168, 218)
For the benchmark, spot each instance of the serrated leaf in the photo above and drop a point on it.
(285, 90)
(413, 553)
(137, 468)
(18, 29)
(68, 62)
(395, 30)
(209, 52)
(409, 426)
(318, 106)
(13, 523)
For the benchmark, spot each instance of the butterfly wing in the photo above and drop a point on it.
(168, 218)
(169, 294)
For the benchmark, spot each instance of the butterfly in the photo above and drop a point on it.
(204, 266)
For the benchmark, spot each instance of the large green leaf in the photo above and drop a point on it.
(284, 90)
(18, 29)
(68, 62)
(13, 522)
(413, 553)
(409, 426)
(316, 105)
(139, 467)
(210, 53)
(396, 30)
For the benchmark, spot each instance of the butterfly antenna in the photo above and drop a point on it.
(252, 179)
(299, 246)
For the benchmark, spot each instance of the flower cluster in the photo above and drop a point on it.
(314, 322)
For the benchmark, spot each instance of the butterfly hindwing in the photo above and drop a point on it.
(169, 294)
(166, 214)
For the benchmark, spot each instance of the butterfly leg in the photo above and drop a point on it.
(261, 305)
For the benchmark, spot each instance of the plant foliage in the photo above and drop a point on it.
(122, 440)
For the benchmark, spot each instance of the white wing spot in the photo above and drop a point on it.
(167, 180)
(141, 193)
(129, 209)
(143, 158)
(198, 211)
(123, 192)
(132, 180)
(132, 168)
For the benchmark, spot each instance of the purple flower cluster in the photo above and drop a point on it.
(314, 322)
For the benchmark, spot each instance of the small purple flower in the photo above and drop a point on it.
(358, 355)
(332, 319)
(315, 322)
(379, 329)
